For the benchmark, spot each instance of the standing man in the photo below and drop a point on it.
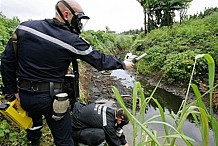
(35, 71)
(94, 123)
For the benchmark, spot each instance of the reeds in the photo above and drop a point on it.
(203, 118)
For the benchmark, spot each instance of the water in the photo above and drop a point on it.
(169, 102)
(125, 78)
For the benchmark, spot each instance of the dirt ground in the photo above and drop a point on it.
(97, 85)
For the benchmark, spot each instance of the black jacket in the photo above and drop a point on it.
(45, 50)
(97, 116)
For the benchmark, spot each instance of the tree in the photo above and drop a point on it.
(158, 13)
(107, 29)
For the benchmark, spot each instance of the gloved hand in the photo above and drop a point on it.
(128, 64)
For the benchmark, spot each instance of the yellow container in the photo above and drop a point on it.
(14, 113)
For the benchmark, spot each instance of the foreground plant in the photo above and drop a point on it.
(209, 117)
(197, 109)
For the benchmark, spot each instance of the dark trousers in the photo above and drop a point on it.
(39, 104)
(89, 136)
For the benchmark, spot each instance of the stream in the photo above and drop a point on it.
(169, 102)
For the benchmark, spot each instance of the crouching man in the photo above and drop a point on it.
(94, 123)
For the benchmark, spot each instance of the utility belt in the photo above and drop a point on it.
(58, 91)
(38, 86)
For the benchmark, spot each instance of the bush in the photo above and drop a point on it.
(171, 51)
(107, 42)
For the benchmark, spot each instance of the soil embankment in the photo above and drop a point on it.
(96, 85)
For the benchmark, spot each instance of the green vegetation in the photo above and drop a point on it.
(159, 13)
(171, 55)
(203, 118)
(7, 26)
(9, 135)
(171, 51)
(109, 43)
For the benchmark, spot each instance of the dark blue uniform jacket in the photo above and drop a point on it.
(45, 50)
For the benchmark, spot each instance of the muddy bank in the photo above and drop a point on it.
(97, 85)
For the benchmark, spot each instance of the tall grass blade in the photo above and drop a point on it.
(163, 118)
(122, 104)
(142, 108)
(215, 130)
(184, 114)
(211, 75)
(204, 127)
(198, 96)
(179, 134)
(196, 120)
(134, 98)
(211, 70)
(134, 105)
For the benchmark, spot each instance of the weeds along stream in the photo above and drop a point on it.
(100, 91)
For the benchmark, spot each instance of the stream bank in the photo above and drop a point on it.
(97, 85)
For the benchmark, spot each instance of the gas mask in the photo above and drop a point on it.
(78, 21)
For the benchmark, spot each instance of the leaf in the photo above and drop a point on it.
(2, 133)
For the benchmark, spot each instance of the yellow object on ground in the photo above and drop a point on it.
(14, 113)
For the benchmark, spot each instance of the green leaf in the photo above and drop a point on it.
(2, 133)
(204, 127)
(198, 96)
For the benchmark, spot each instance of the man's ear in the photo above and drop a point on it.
(66, 15)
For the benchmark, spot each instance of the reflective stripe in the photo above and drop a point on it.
(96, 107)
(103, 113)
(54, 40)
(35, 128)
(99, 109)
(104, 116)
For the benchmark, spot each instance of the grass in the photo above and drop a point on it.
(203, 118)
